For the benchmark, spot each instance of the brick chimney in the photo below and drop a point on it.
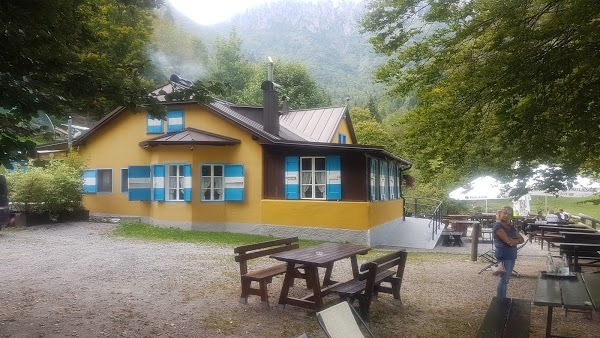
(270, 108)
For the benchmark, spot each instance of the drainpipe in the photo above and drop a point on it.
(70, 132)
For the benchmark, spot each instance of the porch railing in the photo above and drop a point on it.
(422, 207)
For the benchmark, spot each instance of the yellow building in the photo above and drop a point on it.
(223, 167)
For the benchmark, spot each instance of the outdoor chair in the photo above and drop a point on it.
(490, 256)
(342, 321)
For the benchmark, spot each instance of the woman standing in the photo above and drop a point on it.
(506, 239)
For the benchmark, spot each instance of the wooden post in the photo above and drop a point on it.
(475, 241)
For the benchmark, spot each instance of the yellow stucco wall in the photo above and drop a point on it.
(334, 215)
(116, 146)
(342, 128)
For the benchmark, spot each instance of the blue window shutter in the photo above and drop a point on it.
(187, 182)
(292, 177)
(139, 183)
(174, 121)
(158, 182)
(153, 125)
(234, 182)
(334, 177)
(89, 181)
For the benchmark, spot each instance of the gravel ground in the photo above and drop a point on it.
(77, 280)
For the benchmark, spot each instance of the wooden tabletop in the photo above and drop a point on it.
(566, 244)
(553, 228)
(592, 284)
(322, 254)
(568, 292)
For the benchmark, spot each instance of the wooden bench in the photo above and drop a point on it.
(368, 284)
(262, 276)
(508, 317)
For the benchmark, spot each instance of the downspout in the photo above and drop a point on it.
(402, 192)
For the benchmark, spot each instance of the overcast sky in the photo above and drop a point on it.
(211, 12)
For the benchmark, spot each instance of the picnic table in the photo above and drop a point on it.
(580, 292)
(552, 233)
(312, 258)
(575, 251)
(462, 225)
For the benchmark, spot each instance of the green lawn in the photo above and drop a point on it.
(572, 205)
(155, 233)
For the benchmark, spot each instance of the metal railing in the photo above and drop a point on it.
(422, 207)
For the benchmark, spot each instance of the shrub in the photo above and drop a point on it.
(53, 189)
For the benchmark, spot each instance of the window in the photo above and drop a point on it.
(175, 182)
(124, 180)
(211, 182)
(97, 181)
(313, 178)
(317, 177)
(341, 138)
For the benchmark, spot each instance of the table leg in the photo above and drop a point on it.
(542, 239)
(287, 282)
(313, 275)
(327, 277)
(354, 263)
(549, 322)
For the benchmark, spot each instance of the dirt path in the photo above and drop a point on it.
(76, 280)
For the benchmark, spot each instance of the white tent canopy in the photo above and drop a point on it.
(481, 188)
(487, 188)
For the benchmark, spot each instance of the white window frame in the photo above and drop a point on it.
(100, 180)
(212, 178)
(179, 183)
(313, 173)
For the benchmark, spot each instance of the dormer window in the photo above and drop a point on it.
(153, 126)
(175, 121)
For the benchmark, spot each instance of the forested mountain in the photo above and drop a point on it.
(324, 36)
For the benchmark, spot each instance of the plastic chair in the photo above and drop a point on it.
(342, 321)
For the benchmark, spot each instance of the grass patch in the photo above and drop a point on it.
(155, 233)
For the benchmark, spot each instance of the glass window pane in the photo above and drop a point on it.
(218, 182)
(124, 180)
(172, 194)
(180, 170)
(218, 170)
(306, 164)
(205, 170)
(306, 191)
(181, 198)
(180, 182)
(320, 177)
(319, 163)
(319, 191)
(172, 182)
(218, 194)
(172, 170)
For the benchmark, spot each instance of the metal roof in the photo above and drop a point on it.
(190, 136)
(317, 125)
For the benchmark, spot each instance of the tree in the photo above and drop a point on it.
(502, 86)
(71, 56)
(296, 82)
(369, 131)
(229, 65)
(65, 56)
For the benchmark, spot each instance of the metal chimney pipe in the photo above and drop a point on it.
(270, 73)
